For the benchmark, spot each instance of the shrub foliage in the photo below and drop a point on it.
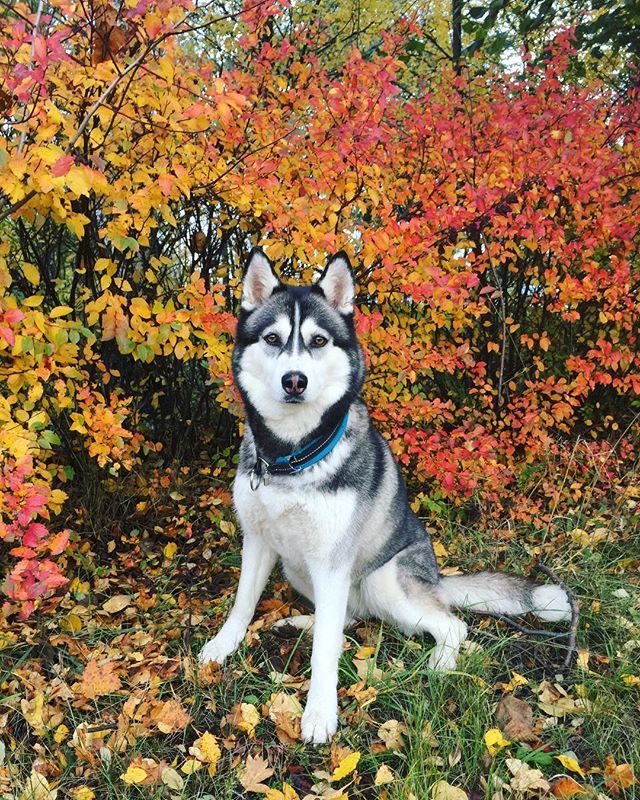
(492, 217)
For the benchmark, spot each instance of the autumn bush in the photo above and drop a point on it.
(492, 217)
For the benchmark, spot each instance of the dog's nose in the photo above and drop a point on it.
(294, 383)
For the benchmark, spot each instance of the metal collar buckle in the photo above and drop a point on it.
(258, 474)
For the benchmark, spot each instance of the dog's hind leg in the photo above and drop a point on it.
(301, 622)
(399, 597)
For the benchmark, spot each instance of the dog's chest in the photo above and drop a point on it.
(300, 523)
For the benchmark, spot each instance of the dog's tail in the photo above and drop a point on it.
(501, 593)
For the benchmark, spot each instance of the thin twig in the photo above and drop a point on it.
(520, 628)
(569, 635)
(36, 25)
(575, 612)
(503, 308)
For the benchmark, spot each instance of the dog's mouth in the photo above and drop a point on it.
(293, 399)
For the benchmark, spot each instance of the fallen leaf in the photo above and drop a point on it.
(571, 763)
(554, 701)
(33, 712)
(191, 765)
(245, 717)
(207, 750)
(495, 741)
(515, 718)
(383, 775)
(391, 732)
(170, 716)
(445, 791)
(170, 550)
(172, 779)
(37, 788)
(287, 793)
(516, 680)
(617, 777)
(133, 775)
(116, 603)
(82, 793)
(286, 712)
(345, 767)
(525, 778)
(99, 679)
(566, 787)
(367, 670)
(256, 769)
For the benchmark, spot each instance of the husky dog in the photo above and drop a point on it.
(317, 486)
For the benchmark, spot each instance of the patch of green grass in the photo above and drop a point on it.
(442, 718)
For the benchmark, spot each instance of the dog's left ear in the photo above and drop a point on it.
(337, 283)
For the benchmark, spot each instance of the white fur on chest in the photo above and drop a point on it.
(301, 525)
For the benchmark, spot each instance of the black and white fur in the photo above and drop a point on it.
(343, 528)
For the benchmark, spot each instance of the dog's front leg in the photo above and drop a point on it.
(258, 559)
(331, 592)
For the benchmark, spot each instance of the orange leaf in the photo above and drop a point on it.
(99, 679)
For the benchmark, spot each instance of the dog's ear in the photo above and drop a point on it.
(337, 283)
(259, 280)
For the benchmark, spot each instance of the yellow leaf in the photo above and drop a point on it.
(570, 763)
(516, 680)
(60, 311)
(439, 549)
(445, 791)
(287, 793)
(33, 301)
(32, 711)
(133, 775)
(583, 659)
(191, 765)
(37, 788)
(245, 717)
(83, 793)
(346, 766)
(206, 749)
(630, 680)
(71, 623)
(30, 272)
(495, 741)
(170, 550)
(76, 225)
(78, 180)
(60, 734)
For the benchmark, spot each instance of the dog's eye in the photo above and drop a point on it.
(319, 341)
(272, 338)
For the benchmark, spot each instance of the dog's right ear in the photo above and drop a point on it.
(259, 280)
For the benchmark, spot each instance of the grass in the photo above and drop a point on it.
(176, 602)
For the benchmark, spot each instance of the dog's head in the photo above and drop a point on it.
(296, 356)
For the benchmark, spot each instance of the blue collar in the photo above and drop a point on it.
(300, 459)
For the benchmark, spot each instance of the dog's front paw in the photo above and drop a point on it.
(319, 724)
(221, 646)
